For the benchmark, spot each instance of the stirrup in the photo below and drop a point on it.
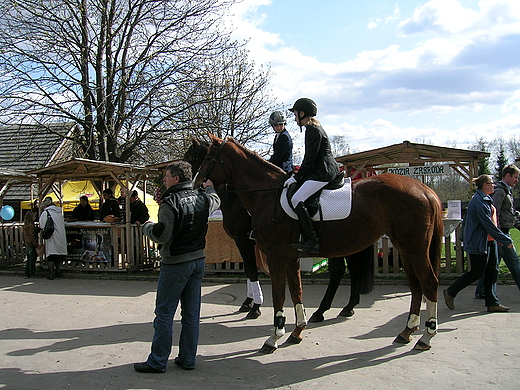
(307, 246)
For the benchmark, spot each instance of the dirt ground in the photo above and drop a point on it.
(85, 334)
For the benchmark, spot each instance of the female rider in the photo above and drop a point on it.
(317, 170)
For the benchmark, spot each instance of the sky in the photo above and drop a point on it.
(441, 72)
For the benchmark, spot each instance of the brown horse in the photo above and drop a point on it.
(402, 208)
(237, 224)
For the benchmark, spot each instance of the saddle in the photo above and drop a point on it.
(332, 201)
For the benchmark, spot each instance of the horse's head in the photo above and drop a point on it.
(212, 166)
(196, 153)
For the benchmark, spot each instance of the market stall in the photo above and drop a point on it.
(97, 244)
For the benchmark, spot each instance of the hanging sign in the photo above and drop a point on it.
(436, 169)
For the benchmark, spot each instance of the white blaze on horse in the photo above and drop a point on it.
(404, 209)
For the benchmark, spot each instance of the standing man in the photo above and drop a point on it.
(181, 230)
(138, 210)
(504, 203)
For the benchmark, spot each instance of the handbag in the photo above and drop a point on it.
(48, 230)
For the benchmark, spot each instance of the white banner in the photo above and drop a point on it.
(438, 169)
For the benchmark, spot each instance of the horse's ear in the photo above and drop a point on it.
(214, 139)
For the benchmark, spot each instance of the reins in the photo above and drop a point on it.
(211, 165)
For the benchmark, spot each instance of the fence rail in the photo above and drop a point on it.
(131, 251)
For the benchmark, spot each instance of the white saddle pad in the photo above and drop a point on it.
(335, 204)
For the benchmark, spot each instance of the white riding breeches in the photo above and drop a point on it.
(308, 188)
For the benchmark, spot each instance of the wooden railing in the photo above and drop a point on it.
(131, 251)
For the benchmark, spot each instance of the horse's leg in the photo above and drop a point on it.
(336, 272)
(278, 276)
(415, 307)
(294, 281)
(255, 297)
(348, 311)
(430, 327)
(361, 269)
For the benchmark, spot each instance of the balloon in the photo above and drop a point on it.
(7, 213)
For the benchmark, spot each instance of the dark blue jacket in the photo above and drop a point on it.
(478, 224)
(282, 151)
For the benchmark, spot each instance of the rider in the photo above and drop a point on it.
(282, 145)
(317, 170)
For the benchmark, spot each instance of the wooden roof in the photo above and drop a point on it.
(462, 160)
(15, 176)
(96, 171)
(408, 152)
(84, 169)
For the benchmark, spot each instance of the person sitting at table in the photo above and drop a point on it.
(110, 211)
(83, 211)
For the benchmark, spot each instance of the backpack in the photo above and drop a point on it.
(48, 230)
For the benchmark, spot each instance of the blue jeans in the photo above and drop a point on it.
(512, 261)
(177, 282)
(30, 266)
(481, 265)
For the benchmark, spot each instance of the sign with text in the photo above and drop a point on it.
(437, 169)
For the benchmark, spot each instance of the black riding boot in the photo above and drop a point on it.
(310, 240)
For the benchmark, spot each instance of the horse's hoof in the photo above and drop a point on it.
(402, 340)
(247, 305)
(267, 348)
(316, 317)
(254, 313)
(293, 340)
(420, 346)
(346, 313)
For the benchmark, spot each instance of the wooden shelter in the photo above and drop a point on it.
(127, 240)
(465, 162)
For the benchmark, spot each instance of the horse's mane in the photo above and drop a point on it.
(254, 155)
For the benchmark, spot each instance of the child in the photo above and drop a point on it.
(30, 234)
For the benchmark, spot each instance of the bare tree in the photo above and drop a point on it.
(122, 70)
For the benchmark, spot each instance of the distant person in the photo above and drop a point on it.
(181, 230)
(282, 145)
(56, 245)
(504, 203)
(138, 211)
(30, 235)
(122, 204)
(481, 235)
(83, 211)
(317, 169)
(110, 211)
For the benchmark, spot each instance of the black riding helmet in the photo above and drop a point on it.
(306, 105)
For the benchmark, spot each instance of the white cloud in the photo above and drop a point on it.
(467, 63)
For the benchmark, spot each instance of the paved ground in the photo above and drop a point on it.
(85, 334)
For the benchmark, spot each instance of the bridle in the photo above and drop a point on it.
(212, 162)
(205, 173)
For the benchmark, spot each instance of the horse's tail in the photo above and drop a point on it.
(438, 232)
(361, 268)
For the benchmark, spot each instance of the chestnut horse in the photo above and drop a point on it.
(237, 224)
(401, 207)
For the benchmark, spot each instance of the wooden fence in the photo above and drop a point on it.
(131, 251)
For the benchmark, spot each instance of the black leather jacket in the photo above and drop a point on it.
(183, 222)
